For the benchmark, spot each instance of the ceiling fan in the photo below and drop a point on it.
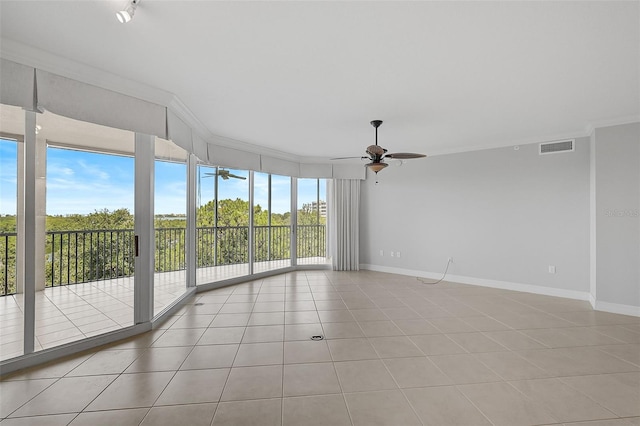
(378, 154)
(225, 175)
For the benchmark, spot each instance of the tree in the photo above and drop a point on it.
(100, 245)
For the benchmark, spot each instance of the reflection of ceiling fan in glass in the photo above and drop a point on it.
(225, 175)
(377, 154)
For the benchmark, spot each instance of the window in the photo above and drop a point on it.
(170, 223)
(312, 221)
(84, 191)
(11, 231)
(222, 223)
(272, 222)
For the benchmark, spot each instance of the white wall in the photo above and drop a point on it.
(617, 218)
(504, 215)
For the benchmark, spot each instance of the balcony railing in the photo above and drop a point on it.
(8, 262)
(92, 255)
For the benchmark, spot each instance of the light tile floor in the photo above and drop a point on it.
(396, 352)
(73, 312)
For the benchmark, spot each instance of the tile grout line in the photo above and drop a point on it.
(234, 357)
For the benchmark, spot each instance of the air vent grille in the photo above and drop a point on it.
(557, 147)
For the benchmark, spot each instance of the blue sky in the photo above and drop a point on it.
(8, 172)
(82, 182)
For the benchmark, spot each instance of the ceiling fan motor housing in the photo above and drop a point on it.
(376, 150)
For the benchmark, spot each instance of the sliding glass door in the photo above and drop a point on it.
(170, 223)
(11, 231)
(222, 223)
(272, 222)
(84, 230)
(311, 224)
(75, 198)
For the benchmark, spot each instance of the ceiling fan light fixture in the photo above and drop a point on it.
(376, 167)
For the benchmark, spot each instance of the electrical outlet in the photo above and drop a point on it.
(397, 254)
(450, 260)
(381, 252)
(552, 269)
(392, 254)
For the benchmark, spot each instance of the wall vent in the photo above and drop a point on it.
(557, 147)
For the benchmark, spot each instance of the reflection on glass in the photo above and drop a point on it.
(170, 222)
(261, 218)
(272, 230)
(222, 223)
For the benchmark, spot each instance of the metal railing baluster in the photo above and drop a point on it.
(94, 261)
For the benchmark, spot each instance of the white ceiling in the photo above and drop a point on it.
(306, 78)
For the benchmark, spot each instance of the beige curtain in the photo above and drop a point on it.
(344, 232)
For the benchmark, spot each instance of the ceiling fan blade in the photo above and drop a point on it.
(404, 155)
(347, 158)
(237, 177)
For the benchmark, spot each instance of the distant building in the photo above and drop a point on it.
(313, 206)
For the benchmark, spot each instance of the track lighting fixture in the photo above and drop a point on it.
(126, 14)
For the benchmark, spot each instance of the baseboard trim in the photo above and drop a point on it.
(597, 305)
(617, 308)
(505, 285)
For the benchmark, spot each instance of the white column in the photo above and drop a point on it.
(30, 232)
(294, 221)
(251, 230)
(144, 228)
(190, 242)
(41, 211)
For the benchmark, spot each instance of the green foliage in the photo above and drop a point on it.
(7, 223)
(99, 219)
(99, 245)
(8, 261)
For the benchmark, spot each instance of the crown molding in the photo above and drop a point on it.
(31, 56)
(65, 67)
(513, 142)
(591, 126)
(183, 112)
(584, 133)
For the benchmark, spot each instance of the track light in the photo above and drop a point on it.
(126, 14)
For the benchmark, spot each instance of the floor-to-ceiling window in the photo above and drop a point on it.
(311, 222)
(76, 180)
(84, 230)
(222, 223)
(261, 218)
(170, 223)
(272, 222)
(11, 301)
